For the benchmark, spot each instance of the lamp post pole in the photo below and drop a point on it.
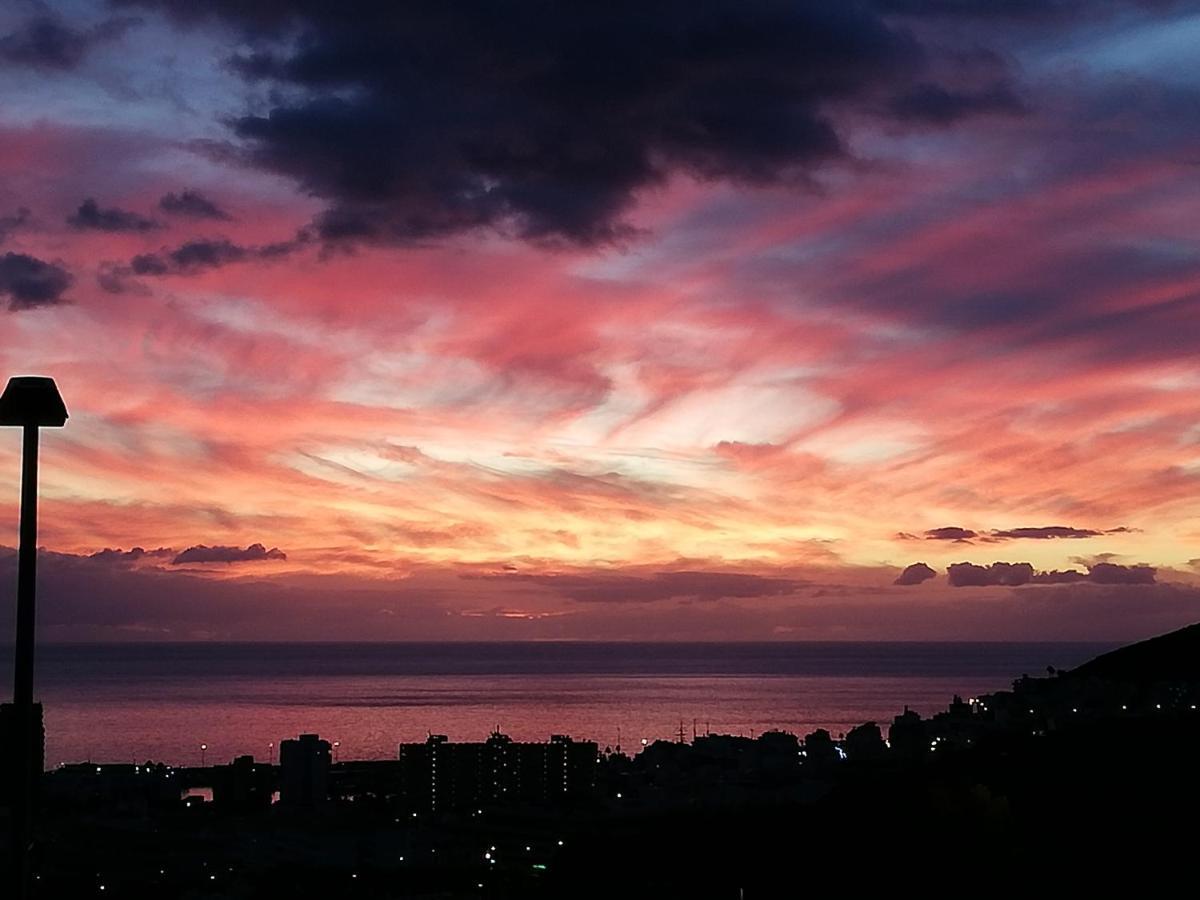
(31, 403)
(27, 573)
(24, 776)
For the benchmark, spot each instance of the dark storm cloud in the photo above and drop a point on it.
(10, 222)
(1005, 574)
(1112, 573)
(199, 255)
(47, 42)
(950, 533)
(967, 574)
(192, 204)
(1036, 533)
(915, 574)
(419, 119)
(935, 104)
(1046, 532)
(190, 257)
(117, 556)
(91, 216)
(705, 586)
(204, 554)
(28, 281)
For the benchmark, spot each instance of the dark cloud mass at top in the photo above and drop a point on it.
(415, 119)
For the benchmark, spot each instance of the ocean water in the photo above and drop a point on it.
(127, 702)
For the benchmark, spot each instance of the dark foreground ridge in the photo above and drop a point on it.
(1072, 781)
(1169, 657)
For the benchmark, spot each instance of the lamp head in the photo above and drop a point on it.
(32, 400)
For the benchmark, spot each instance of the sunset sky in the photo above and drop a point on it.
(664, 320)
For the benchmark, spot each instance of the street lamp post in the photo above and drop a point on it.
(30, 403)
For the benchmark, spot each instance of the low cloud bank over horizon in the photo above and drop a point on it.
(203, 554)
(1009, 574)
(118, 595)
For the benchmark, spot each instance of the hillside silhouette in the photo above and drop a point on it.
(1174, 656)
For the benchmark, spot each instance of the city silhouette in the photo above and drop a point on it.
(1009, 786)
